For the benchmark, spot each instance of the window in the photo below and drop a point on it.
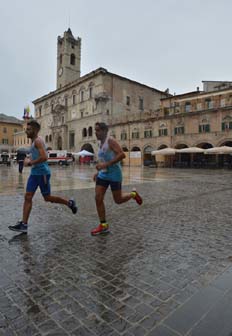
(188, 107)
(15, 130)
(90, 131)
(74, 99)
(90, 92)
(84, 132)
(166, 111)
(163, 132)
(71, 139)
(4, 130)
(226, 125)
(62, 120)
(127, 100)
(61, 57)
(50, 138)
(72, 59)
(205, 128)
(82, 96)
(5, 141)
(123, 136)
(148, 134)
(141, 103)
(135, 135)
(46, 138)
(199, 106)
(208, 103)
(223, 102)
(179, 130)
(176, 107)
(66, 101)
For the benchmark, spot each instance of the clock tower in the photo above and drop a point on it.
(68, 59)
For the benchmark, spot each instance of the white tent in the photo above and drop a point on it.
(219, 150)
(164, 151)
(190, 150)
(83, 153)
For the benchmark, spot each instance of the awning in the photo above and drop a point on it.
(190, 150)
(219, 150)
(164, 151)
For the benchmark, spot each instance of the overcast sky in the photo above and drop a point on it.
(171, 44)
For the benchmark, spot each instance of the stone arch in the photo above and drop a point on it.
(180, 146)
(88, 147)
(148, 159)
(204, 145)
(135, 149)
(225, 142)
(162, 146)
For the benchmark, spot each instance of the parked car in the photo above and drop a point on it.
(5, 159)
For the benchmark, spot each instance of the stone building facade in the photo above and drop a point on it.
(68, 114)
(20, 138)
(140, 117)
(9, 126)
(202, 119)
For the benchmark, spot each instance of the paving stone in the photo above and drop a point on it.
(218, 320)
(162, 331)
(164, 268)
(184, 318)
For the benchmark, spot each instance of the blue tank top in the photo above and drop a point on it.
(114, 172)
(39, 168)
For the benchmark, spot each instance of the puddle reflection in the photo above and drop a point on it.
(81, 176)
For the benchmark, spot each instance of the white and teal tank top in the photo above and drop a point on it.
(113, 172)
(39, 168)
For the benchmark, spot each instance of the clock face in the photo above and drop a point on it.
(60, 71)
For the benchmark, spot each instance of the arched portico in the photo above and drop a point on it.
(88, 147)
(147, 157)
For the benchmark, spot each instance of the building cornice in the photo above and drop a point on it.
(99, 71)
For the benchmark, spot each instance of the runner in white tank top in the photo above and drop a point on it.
(109, 174)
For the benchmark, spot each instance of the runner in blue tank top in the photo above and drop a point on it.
(109, 174)
(40, 177)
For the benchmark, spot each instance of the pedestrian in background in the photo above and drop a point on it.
(20, 159)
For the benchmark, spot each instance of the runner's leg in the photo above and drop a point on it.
(99, 199)
(45, 188)
(120, 197)
(27, 206)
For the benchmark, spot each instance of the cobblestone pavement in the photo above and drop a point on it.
(164, 270)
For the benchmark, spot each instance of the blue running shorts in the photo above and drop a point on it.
(42, 181)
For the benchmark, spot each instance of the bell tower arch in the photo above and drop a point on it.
(68, 59)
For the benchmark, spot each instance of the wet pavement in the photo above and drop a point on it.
(164, 270)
